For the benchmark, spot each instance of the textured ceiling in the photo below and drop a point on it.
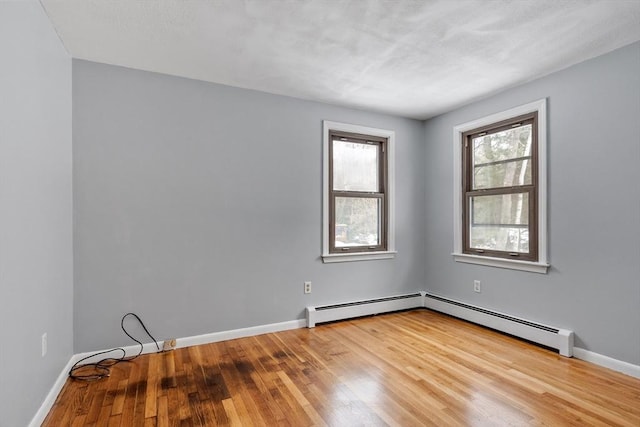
(405, 57)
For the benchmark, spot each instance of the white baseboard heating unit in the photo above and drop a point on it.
(329, 313)
(560, 339)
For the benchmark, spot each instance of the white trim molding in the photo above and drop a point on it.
(533, 267)
(607, 362)
(542, 265)
(366, 256)
(48, 402)
(240, 333)
(390, 194)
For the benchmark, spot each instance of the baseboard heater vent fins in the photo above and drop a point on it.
(560, 339)
(348, 310)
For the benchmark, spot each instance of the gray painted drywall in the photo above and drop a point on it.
(36, 265)
(593, 286)
(198, 206)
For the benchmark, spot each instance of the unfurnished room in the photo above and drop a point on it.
(319, 213)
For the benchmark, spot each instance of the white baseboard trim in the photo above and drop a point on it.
(132, 350)
(607, 362)
(48, 402)
(240, 333)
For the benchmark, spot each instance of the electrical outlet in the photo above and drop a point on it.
(44, 344)
(476, 286)
(307, 287)
(169, 344)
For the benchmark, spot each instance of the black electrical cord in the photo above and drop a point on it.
(101, 369)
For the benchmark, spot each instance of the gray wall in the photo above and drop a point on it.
(198, 206)
(593, 286)
(36, 266)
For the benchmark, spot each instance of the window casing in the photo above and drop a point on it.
(358, 193)
(532, 255)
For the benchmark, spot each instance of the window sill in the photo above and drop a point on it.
(533, 267)
(360, 256)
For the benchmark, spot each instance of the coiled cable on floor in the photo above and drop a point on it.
(101, 369)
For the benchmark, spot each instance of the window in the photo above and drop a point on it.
(499, 181)
(358, 193)
(357, 185)
(501, 206)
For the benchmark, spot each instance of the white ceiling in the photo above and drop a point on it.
(405, 57)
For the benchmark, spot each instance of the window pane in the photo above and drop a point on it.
(355, 166)
(500, 222)
(502, 159)
(358, 221)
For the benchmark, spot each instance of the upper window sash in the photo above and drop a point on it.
(377, 144)
(528, 158)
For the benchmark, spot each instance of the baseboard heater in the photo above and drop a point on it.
(330, 313)
(560, 339)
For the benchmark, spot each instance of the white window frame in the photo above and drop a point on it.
(390, 193)
(542, 265)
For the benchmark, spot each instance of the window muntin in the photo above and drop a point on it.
(357, 193)
(500, 189)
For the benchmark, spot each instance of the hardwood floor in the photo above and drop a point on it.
(403, 369)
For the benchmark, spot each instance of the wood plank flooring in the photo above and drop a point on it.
(412, 368)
